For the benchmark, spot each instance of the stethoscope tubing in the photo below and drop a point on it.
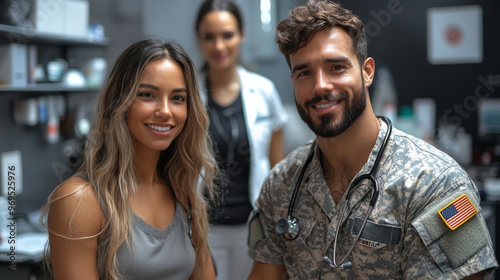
(354, 184)
(373, 199)
(299, 180)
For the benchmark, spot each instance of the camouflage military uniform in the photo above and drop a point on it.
(407, 238)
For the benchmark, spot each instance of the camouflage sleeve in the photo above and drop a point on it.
(265, 245)
(449, 246)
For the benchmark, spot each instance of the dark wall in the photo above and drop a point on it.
(400, 43)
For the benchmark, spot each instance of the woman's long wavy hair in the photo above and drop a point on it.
(109, 153)
(305, 21)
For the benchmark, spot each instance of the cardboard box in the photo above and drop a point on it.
(13, 64)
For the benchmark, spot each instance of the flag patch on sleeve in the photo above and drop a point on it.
(458, 212)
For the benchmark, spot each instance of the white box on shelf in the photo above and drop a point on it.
(4, 220)
(77, 18)
(49, 16)
(12, 173)
(13, 64)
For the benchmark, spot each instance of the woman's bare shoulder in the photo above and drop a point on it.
(74, 209)
(73, 184)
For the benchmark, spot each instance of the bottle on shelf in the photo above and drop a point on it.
(407, 123)
(385, 100)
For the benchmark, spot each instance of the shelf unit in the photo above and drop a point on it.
(45, 87)
(20, 35)
(14, 34)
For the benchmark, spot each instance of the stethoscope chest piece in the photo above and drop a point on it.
(289, 228)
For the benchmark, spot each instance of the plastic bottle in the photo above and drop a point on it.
(52, 133)
(385, 100)
(407, 123)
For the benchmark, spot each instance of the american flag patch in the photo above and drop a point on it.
(458, 212)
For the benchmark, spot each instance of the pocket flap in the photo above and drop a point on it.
(430, 224)
(447, 246)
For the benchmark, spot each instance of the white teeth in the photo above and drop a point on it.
(326, 105)
(159, 128)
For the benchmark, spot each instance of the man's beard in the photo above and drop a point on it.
(326, 127)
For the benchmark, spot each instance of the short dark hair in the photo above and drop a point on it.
(304, 21)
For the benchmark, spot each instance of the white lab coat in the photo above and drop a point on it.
(264, 114)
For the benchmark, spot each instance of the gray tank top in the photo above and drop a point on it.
(158, 254)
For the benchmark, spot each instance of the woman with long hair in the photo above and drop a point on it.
(247, 118)
(133, 210)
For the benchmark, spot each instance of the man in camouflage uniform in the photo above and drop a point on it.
(425, 223)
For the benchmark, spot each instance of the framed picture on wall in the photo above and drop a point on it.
(455, 35)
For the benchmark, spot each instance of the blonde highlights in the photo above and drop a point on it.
(109, 154)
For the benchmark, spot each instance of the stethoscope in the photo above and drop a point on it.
(290, 227)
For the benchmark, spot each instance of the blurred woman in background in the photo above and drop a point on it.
(246, 123)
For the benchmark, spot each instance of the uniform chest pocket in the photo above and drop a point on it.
(302, 250)
(374, 235)
(379, 244)
(306, 228)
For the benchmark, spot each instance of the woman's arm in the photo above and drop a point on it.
(74, 220)
(267, 271)
(208, 266)
(276, 149)
(477, 276)
(206, 269)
